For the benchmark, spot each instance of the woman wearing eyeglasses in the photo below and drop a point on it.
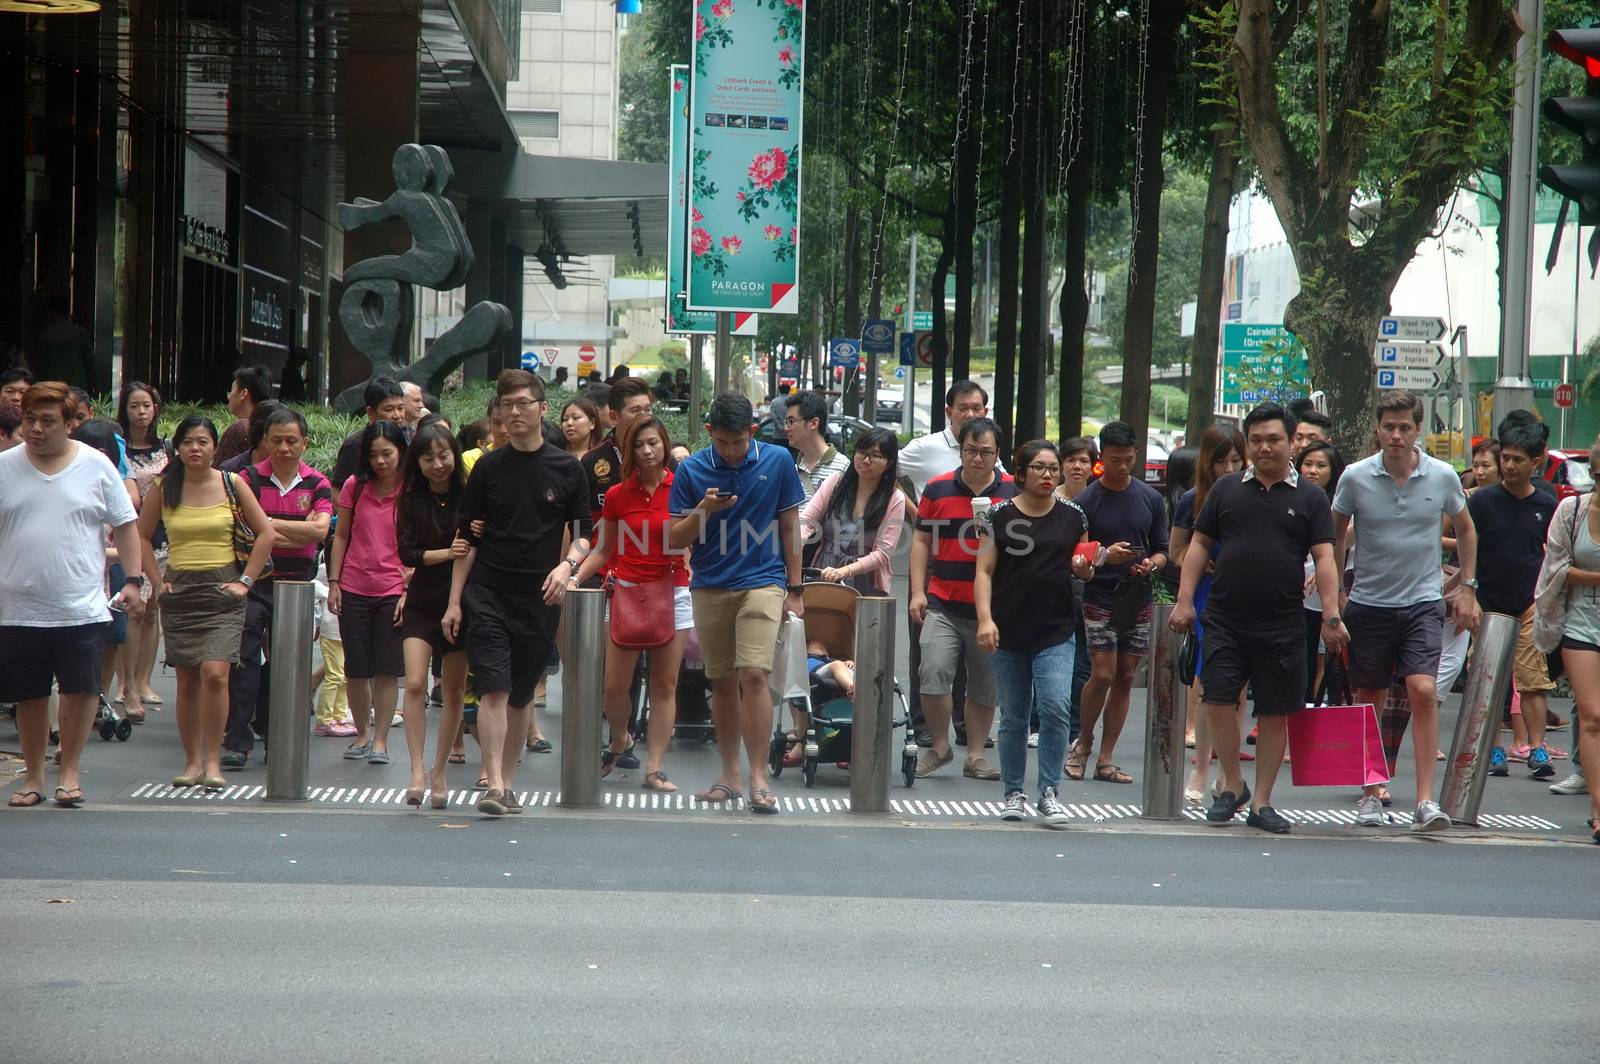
(856, 517)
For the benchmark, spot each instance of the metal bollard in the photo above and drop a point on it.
(294, 608)
(872, 752)
(1166, 700)
(583, 687)
(1488, 678)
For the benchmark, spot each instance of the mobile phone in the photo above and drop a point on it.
(718, 493)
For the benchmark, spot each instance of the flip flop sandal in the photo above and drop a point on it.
(69, 798)
(456, 759)
(483, 783)
(759, 806)
(718, 793)
(1111, 774)
(25, 799)
(653, 782)
(608, 761)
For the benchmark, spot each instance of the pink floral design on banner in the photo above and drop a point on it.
(722, 9)
(699, 241)
(695, 215)
(798, 5)
(699, 26)
(732, 245)
(769, 168)
(786, 55)
(772, 232)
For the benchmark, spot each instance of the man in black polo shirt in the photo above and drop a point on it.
(1266, 522)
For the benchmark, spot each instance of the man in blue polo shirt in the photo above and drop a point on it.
(737, 503)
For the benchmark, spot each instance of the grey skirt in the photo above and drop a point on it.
(199, 620)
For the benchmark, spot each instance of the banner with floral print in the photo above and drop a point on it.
(680, 319)
(744, 157)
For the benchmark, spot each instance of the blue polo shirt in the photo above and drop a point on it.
(740, 547)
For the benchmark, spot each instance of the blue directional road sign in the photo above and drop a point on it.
(900, 373)
(877, 336)
(844, 353)
(530, 361)
(908, 349)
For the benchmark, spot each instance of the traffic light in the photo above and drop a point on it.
(1579, 182)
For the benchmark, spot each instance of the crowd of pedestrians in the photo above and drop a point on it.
(446, 556)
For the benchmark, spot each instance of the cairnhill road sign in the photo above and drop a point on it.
(1412, 380)
(1262, 362)
(877, 336)
(922, 320)
(1410, 328)
(1406, 356)
(844, 353)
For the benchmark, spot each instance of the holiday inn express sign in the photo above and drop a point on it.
(743, 249)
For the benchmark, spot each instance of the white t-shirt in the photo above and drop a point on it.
(52, 538)
(933, 455)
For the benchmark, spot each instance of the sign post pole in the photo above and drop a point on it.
(723, 353)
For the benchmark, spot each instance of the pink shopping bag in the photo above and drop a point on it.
(1336, 746)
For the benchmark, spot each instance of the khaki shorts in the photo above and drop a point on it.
(1528, 666)
(737, 629)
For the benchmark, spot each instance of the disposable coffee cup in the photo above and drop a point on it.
(980, 513)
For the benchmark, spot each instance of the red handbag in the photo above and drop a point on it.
(642, 615)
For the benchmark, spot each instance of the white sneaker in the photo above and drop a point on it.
(1016, 807)
(398, 721)
(1573, 784)
(1033, 740)
(1050, 808)
(1369, 811)
(1429, 817)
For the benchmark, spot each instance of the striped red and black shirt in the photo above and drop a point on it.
(945, 513)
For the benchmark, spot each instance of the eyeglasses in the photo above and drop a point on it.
(518, 405)
(1045, 470)
(973, 452)
(791, 421)
(871, 456)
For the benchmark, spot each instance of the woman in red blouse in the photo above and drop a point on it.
(632, 549)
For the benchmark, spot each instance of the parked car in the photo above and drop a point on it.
(1569, 472)
(842, 431)
(1155, 465)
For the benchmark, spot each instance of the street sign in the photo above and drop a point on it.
(586, 353)
(1566, 395)
(530, 360)
(789, 367)
(922, 320)
(900, 373)
(1261, 362)
(1412, 380)
(908, 349)
(1406, 356)
(844, 353)
(1402, 328)
(551, 354)
(877, 336)
(924, 348)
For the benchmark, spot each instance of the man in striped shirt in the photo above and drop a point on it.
(944, 556)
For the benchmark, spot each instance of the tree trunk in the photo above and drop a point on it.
(852, 297)
(1003, 402)
(1074, 300)
(966, 178)
(1213, 264)
(1336, 321)
(1037, 158)
(941, 339)
(880, 174)
(1139, 329)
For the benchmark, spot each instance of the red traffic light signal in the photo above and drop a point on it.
(1580, 46)
(1579, 182)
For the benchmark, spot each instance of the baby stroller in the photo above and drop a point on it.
(830, 618)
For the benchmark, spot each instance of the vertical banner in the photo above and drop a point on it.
(744, 157)
(680, 319)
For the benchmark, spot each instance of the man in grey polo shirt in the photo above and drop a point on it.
(1396, 609)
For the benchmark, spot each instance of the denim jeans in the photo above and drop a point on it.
(1042, 679)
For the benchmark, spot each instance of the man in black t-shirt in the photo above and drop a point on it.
(1513, 519)
(1266, 520)
(508, 587)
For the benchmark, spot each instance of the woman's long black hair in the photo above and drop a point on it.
(122, 410)
(419, 518)
(1335, 462)
(844, 496)
(386, 430)
(172, 479)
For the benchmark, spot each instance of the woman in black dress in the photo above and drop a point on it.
(426, 518)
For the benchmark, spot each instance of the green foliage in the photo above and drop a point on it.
(644, 97)
(1183, 205)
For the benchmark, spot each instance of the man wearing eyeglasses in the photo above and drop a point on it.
(805, 423)
(944, 562)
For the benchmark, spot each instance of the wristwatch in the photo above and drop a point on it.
(796, 589)
(573, 564)
(133, 581)
(1332, 620)
(247, 581)
(1473, 583)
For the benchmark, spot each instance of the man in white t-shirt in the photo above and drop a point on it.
(56, 499)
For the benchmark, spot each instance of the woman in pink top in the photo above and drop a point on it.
(856, 517)
(366, 589)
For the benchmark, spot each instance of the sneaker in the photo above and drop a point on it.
(1250, 740)
(1539, 766)
(1518, 754)
(234, 760)
(436, 696)
(1227, 805)
(1268, 819)
(961, 736)
(1055, 814)
(931, 761)
(1429, 817)
(1016, 807)
(1573, 784)
(1033, 740)
(397, 721)
(978, 768)
(924, 738)
(628, 758)
(1497, 762)
(1369, 811)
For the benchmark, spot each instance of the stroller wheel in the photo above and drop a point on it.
(810, 772)
(908, 769)
(108, 728)
(124, 730)
(775, 754)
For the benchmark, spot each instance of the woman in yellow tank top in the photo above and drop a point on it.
(202, 598)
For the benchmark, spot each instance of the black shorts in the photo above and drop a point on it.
(510, 638)
(34, 659)
(1269, 656)
(1393, 641)
(372, 644)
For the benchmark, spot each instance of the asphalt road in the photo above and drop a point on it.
(227, 936)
